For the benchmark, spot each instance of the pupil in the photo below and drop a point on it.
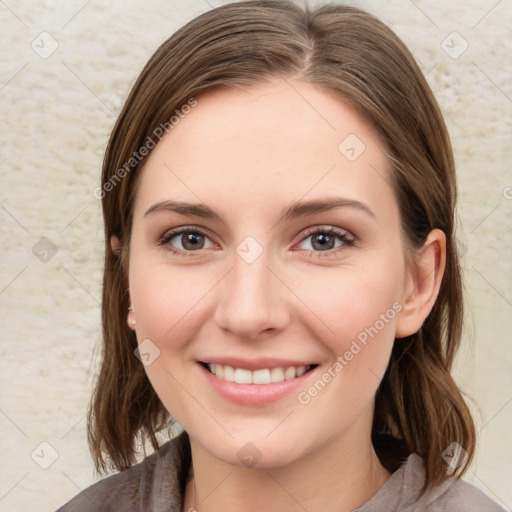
(323, 239)
(192, 239)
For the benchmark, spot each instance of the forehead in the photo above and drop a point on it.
(267, 143)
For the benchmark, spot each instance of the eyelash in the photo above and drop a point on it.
(347, 240)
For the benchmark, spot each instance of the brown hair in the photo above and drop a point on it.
(340, 49)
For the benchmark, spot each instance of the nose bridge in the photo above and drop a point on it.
(251, 297)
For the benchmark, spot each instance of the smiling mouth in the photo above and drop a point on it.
(261, 376)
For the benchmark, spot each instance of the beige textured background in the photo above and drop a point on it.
(56, 114)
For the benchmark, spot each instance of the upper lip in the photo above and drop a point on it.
(257, 363)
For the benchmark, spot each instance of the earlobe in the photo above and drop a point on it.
(131, 318)
(422, 284)
(115, 245)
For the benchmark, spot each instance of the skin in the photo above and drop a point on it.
(248, 154)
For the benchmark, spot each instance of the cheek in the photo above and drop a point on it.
(169, 310)
(341, 304)
(165, 299)
(354, 304)
(161, 309)
(360, 312)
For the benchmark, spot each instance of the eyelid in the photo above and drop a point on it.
(327, 229)
(348, 238)
(165, 239)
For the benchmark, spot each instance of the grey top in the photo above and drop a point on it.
(157, 485)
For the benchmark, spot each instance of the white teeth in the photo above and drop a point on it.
(300, 370)
(229, 373)
(276, 375)
(290, 373)
(243, 376)
(263, 376)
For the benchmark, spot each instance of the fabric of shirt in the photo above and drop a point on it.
(157, 484)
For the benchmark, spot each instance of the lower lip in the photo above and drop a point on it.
(255, 394)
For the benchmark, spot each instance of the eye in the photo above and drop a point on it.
(323, 240)
(189, 239)
(184, 241)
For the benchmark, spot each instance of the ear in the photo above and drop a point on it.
(422, 284)
(115, 244)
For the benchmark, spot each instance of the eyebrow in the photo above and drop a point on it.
(295, 209)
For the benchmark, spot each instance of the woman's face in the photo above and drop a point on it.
(268, 282)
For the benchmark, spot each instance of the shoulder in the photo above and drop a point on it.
(156, 478)
(453, 494)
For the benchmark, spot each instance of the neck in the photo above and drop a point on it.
(348, 473)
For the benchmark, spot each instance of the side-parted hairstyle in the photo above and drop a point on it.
(418, 406)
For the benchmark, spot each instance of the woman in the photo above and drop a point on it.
(278, 196)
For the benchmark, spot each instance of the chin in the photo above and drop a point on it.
(255, 451)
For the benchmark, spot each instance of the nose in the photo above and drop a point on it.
(252, 300)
